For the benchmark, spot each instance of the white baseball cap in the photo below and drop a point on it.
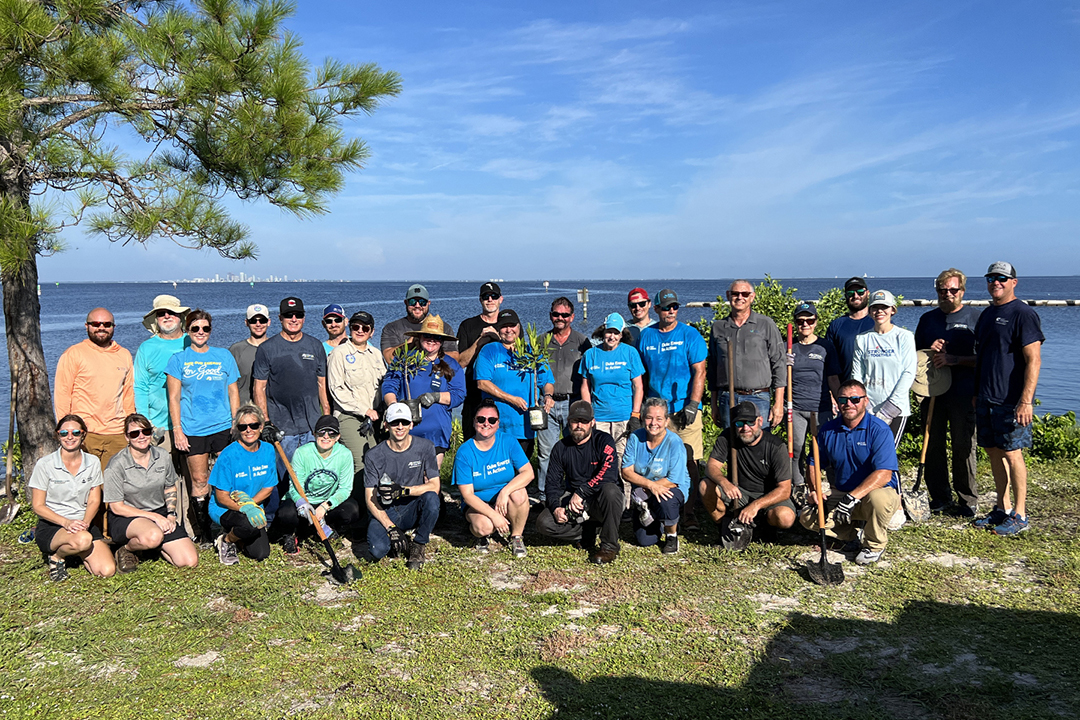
(398, 411)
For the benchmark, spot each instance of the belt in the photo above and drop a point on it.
(559, 397)
(751, 392)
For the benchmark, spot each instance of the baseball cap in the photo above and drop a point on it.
(506, 319)
(665, 298)
(580, 410)
(254, 310)
(417, 291)
(398, 411)
(882, 297)
(744, 411)
(614, 321)
(805, 308)
(855, 283)
(362, 317)
(490, 288)
(1001, 268)
(333, 309)
(291, 304)
(327, 422)
(637, 291)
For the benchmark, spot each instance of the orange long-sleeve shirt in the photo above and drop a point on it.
(96, 383)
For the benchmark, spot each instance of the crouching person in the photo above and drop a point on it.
(583, 491)
(760, 494)
(401, 488)
(245, 496)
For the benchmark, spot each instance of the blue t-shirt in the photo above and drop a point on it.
(435, 420)
(610, 374)
(489, 471)
(857, 452)
(1000, 337)
(238, 468)
(151, 359)
(204, 378)
(493, 364)
(809, 387)
(842, 333)
(667, 357)
(958, 331)
(668, 460)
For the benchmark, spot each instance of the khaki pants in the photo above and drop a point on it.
(104, 447)
(876, 509)
(691, 434)
(617, 430)
(351, 438)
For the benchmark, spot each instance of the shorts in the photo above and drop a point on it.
(45, 530)
(996, 427)
(749, 497)
(118, 525)
(206, 444)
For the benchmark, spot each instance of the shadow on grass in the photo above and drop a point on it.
(936, 661)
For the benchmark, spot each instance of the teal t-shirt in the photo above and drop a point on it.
(489, 471)
(322, 478)
(151, 396)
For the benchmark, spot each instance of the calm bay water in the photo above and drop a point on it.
(64, 307)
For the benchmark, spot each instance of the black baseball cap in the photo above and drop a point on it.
(855, 283)
(363, 317)
(328, 422)
(805, 308)
(580, 410)
(291, 304)
(666, 298)
(506, 318)
(745, 411)
(490, 288)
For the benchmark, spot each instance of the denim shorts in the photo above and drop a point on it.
(996, 427)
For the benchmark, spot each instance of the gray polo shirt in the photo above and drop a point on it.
(66, 494)
(759, 354)
(564, 362)
(143, 488)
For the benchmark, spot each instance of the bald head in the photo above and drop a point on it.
(99, 326)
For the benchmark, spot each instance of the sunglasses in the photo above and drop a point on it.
(487, 420)
(291, 315)
(165, 313)
(357, 327)
(637, 305)
(880, 308)
(560, 315)
(997, 279)
(399, 423)
(244, 427)
(853, 293)
(950, 291)
(413, 302)
(99, 324)
(199, 329)
(333, 319)
(853, 399)
(670, 308)
(145, 432)
(740, 424)
(490, 296)
(327, 433)
(258, 320)
(740, 293)
(805, 321)
(72, 433)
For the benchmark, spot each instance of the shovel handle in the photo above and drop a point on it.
(926, 430)
(817, 471)
(296, 484)
(731, 404)
(790, 406)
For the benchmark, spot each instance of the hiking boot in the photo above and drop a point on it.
(226, 552)
(1013, 525)
(483, 545)
(671, 545)
(57, 570)
(640, 500)
(867, 556)
(991, 521)
(517, 546)
(125, 560)
(942, 507)
(960, 511)
(603, 556)
(289, 545)
(417, 556)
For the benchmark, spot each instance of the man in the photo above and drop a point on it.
(843, 330)
(417, 307)
(166, 323)
(859, 448)
(512, 389)
(289, 379)
(1008, 344)
(583, 488)
(95, 380)
(333, 319)
(243, 351)
(354, 374)
(949, 330)
(473, 334)
(401, 489)
(761, 492)
(759, 358)
(565, 349)
(639, 304)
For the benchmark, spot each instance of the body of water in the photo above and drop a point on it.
(64, 307)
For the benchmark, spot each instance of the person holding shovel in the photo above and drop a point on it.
(809, 383)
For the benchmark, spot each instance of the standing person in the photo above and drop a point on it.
(473, 334)
(95, 380)
(355, 372)
(439, 385)
(243, 351)
(492, 472)
(844, 329)
(142, 492)
(759, 358)
(333, 319)
(401, 488)
(949, 330)
(245, 497)
(810, 396)
(565, 349)
(885, 363)
(166, 323)
(289, 377)
(417, 307)
(202, 400)
(638, 304)
(65, 493)
(1008, 345)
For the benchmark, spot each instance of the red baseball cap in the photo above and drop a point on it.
(637, 291)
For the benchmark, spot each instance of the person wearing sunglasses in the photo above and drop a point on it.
(243, 351)
(333, 320)
(949, 331)
(417, 307)
(202, 400)
(325, 471)
(95, 380)
(843, 330)
(638, 304)
(1008, 345)
(166, 323)
(401, 490)
(473, 334)
(354, 374)
(244, 498)
(65, 494)
(885, 362)
(857, 451)
(810, 396)
(141, 492)
(492, 472)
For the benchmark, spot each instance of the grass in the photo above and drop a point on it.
(955, 623)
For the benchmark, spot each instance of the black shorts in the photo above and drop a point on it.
(206, 444)
(118, 525)
(45, 530)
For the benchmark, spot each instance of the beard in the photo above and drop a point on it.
(858, 302)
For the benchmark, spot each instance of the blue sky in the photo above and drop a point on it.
(697, 140)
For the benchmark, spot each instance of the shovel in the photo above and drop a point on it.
(790, 413)
(10, 508)
(821, 572)
(338, 574)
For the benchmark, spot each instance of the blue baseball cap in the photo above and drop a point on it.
(334, 309)
(614, 321)
(805, 308)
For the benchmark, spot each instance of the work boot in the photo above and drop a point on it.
(606, 554)
(200, 507)
(417, 556)
(125, 560)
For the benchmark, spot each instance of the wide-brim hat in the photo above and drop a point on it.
(163, 302)
(930, 381)
(432, 326)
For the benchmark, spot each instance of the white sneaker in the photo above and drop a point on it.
(867, 556)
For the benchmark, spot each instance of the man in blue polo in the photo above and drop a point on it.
(859, 449)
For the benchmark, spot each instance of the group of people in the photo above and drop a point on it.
(189, 445)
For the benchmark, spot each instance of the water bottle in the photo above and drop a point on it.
(385, 490)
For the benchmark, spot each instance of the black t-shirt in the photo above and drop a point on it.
(809, 388)
(470, 330)
(1000, 336)
(581, 468)
(761, 467)
(958, 331)
(291, 371)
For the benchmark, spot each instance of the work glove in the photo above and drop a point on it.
(634, 423)
(689, 414)
(428, 399)
(842, 513)
(366, 426)
(250, 508)
(271, 433)
(389, 493)
(304, 510)
(399, 541)
(790, 360)
(887, 411)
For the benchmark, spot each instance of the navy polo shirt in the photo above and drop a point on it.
(855, 453)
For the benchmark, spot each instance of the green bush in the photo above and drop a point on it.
(1055, 437)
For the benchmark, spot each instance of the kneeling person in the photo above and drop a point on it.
(401, 488)
(655, 464)
(761, 493)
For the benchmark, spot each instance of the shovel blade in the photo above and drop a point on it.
(825, 573)
(344, 575)
(8, 511)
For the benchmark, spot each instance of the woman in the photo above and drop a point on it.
(141, 494)
(809, 384)
(203, 398)
(492, 472)
(884, 362)
(65, 493)
(612, 381)
(439, 386)
(244, 483)
(325, 471)
(655, 463)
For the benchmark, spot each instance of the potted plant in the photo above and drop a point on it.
(529, 355)
(407, 362)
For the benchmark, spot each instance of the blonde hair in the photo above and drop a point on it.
(951, 273)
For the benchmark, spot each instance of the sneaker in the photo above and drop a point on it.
(417, 556)
(483, 545)
(671, 545)
(1013, 525)
(867, 556)
(57, 570)
(991, 521)
(289, 545)
(939, 508)
(640, 500)
(960, 511)
(226, 552)
(517, 546)
(125, 560)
